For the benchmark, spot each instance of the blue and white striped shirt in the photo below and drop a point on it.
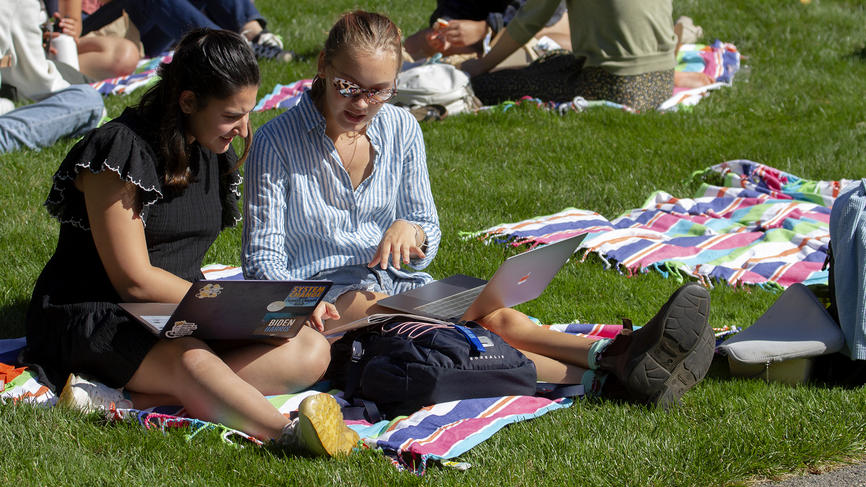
(301, 214)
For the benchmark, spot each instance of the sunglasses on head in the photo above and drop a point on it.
(351, 90)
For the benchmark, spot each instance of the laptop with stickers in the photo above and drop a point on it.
(233, 309)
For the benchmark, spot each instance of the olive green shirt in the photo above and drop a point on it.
(625, 37)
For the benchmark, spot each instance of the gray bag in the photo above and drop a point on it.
(436, 84)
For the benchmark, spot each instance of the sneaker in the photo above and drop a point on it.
(88, 395)
(662, 360)
(267, 45)
(319, 429)
(6, 106)
(267, 38)
(272, 52)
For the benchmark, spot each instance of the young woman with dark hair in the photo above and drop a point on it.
(139, 202)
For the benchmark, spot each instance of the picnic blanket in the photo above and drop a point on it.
(762, 227)
(144, 75)
(439, 432)
(436, 433)
(284, 96)
(719, 60)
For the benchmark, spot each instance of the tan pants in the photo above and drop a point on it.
(121, 27)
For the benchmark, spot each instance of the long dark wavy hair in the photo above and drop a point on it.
(358, 31)
(213, 64)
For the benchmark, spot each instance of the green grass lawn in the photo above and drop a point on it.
(801, 110)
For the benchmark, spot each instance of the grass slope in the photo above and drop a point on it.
(800, 110)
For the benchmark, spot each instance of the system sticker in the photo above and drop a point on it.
(305, 295)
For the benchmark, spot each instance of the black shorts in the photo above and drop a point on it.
(468, 10)
(94, 338)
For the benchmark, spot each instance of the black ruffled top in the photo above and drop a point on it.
(73, 296)
(179, 226)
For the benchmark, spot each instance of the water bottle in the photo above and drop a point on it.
(67, 51)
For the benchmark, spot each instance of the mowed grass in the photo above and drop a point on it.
(800, 110)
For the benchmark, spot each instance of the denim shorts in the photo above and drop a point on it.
(362, 278)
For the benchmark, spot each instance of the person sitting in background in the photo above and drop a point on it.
(623, 51)
(27, 70)
(161, 23)
(98, 57)
(468, 23)
(70, 112)
(169, 163)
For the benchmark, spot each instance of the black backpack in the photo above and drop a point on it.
(404, 366)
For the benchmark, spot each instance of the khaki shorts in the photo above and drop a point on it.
(121, 27)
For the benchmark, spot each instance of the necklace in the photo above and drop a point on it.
(353, 141)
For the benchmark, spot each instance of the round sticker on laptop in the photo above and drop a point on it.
(276, 306)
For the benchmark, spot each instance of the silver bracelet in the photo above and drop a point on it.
(420, 230)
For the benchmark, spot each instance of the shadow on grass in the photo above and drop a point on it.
(12, 324)
(303, 56)
(827, 371)
(860, 54)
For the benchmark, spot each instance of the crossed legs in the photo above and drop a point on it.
(230, 387)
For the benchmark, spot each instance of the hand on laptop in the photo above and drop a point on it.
(402, 241)
(324, 311)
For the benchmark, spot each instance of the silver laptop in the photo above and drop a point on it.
(233, 309)
(519, 279)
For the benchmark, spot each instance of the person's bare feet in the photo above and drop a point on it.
(691, 79)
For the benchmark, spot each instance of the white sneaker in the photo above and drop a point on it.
(266, 38)
(6, 106)
(88, 395)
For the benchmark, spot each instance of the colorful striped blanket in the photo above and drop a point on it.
(439, 432)
(720, 60)
(436, 433)
(144, 75)
(284, 96)
(762, 226)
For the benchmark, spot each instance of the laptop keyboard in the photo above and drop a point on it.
(452, 306)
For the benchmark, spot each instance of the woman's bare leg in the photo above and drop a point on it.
(102, 57)
(187, 369)
(417, 46)
(687, 79)
(555, 371)
(283, 366)
(522, 333)
(273, 366)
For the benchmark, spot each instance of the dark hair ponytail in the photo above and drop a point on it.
(211, 64)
